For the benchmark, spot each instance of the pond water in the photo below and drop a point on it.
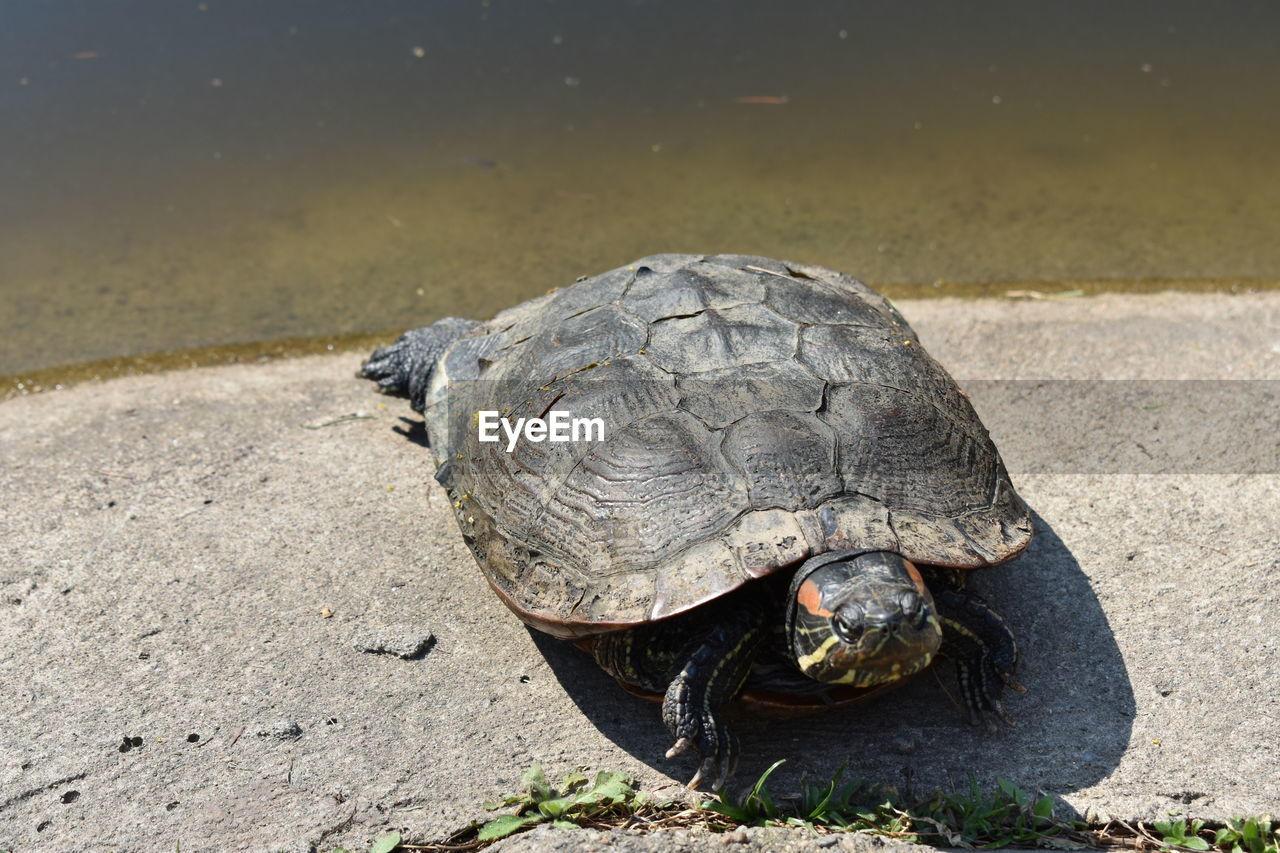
(178, 174)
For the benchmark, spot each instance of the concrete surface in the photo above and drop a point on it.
(185, 569)
(743, 840)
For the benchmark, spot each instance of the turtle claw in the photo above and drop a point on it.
(707, 767)
(712, 767)
(697, 778)
(680, 747)
(1011, 682)
(717, 748)
(987, 714)
(995, 709)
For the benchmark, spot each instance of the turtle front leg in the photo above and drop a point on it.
(693, 707)
(699, 663)
(984, 650)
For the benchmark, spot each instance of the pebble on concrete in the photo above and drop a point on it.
(403, 641)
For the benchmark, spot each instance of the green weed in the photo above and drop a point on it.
(573, 802)
(1007, 816)
(1237, 835)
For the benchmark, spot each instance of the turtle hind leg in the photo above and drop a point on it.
(404, 368)
(984, 650)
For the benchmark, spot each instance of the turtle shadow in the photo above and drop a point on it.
(413, 430)
(1072, 725)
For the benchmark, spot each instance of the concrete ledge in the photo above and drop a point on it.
(182, 562)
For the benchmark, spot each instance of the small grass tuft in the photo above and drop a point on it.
(1238, 835)
(573, 802)
(1007, 816)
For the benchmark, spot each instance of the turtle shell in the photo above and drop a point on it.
(755, 413)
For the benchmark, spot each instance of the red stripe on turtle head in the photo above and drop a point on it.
(915, 575)
(809, 596)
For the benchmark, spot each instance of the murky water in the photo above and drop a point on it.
(186, 174)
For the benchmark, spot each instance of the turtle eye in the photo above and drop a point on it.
(912, 605)
(847, 631)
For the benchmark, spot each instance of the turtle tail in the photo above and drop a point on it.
(404, 368)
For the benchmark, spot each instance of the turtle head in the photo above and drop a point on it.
(861, 619)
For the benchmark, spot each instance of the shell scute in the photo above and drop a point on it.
(898, 448)
(653, 489)
(688, 291)
(854, 521)
(700, 573)
(718, 339)
(722, 397)
(787, 457)
(764, 540)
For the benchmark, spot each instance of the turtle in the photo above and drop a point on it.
(781, 507)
